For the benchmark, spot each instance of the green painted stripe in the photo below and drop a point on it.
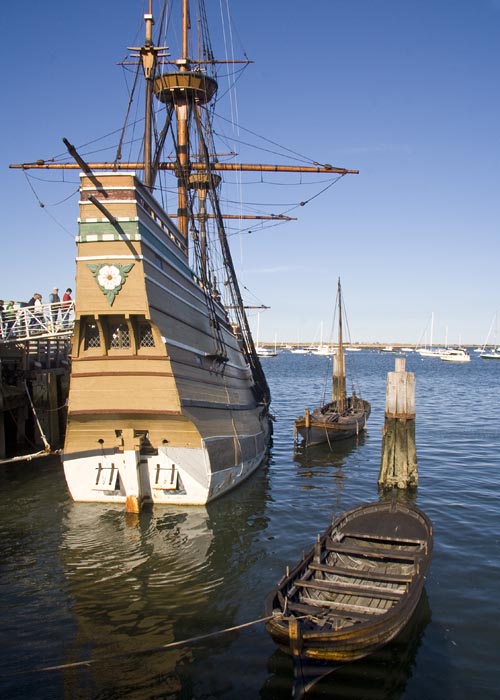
(94, 231)
(98, 229)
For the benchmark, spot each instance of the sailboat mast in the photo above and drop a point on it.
(338, 382)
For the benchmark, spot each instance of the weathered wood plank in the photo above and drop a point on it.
(314, 611)
(371, 553)
(362, 574)
(381, 538)
(361, 590)
(345, 607)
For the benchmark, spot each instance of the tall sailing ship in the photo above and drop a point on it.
(168, 402)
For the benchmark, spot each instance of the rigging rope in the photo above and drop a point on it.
(124, 127)
(299, 156)
(43, 206)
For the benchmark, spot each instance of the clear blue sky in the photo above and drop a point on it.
(406, 91)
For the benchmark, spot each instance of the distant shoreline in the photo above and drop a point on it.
(364, 346)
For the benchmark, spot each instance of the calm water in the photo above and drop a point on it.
(86, 583)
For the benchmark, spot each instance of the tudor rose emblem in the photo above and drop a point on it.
(110, 278)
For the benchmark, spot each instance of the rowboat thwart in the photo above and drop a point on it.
(357, 588)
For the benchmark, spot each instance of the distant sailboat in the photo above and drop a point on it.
(299, 349)
(261, 350)
(429, 351)
(494, 352)
(321, 349)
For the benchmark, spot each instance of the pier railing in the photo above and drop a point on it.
(36, 322)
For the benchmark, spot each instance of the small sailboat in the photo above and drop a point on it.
(264, 350)
(343, 416)
(321, 349)
(491, 352)
(429, 350)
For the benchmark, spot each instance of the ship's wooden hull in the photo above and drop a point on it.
(162, 405)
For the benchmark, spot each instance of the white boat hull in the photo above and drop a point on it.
(458, 355)
(428, 353)
(490, 356)
(180, 476)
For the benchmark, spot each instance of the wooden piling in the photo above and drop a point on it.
(398, 467)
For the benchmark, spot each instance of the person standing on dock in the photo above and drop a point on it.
(38, 315)
(54, 299)
(9, 315)
(66, 304)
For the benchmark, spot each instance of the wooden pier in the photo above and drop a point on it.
(34, 382)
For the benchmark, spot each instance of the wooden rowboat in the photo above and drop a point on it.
(358, 586)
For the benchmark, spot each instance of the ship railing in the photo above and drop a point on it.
(37, 322)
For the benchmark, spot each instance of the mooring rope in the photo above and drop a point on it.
(42, 434)
(149, 650)
(28, 458)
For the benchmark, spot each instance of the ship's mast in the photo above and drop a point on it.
(184, 91)
(148, 58)
(181, 106)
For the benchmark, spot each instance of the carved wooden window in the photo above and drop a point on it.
(146, 339)
(119, 336)
(92, 338)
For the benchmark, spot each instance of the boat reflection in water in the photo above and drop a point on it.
(139, 583)
(318, 458)
(380, 676)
